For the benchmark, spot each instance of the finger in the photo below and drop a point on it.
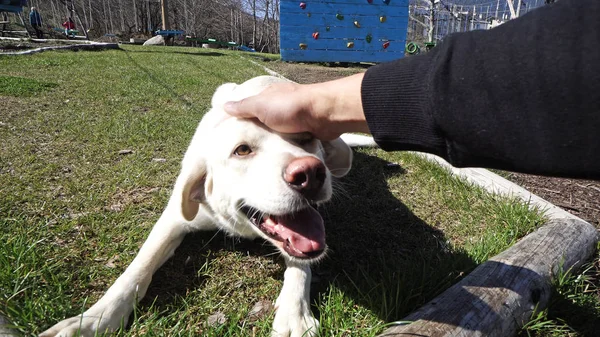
(241, 109)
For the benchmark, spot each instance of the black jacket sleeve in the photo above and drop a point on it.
(524, 96)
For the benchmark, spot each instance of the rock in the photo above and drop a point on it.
(216, 319)
(158, 40)
(260, 309)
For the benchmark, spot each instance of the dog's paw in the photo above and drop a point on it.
(84, 325)
(289, 322)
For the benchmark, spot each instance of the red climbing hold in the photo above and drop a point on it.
(386, 44)
(315, 35)
(370, 1)
(302, 5)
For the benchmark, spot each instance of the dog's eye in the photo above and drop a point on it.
(242, 150)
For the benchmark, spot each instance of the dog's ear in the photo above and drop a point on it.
(338, 157)
(194, 191)
(223, 94)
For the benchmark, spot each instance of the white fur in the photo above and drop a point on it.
(211, 187)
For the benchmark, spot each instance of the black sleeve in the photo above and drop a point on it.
(524, 96)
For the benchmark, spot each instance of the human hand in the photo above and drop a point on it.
(325, 110)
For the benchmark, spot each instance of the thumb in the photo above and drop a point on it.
(238, 109)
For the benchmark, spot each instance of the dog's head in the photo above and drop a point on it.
(254, 181)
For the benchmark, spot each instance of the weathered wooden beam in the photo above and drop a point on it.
(87, 46)
(500, 295)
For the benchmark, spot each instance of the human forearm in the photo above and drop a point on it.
(524, 96)
(337, 105)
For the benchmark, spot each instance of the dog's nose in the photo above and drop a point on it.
(306, 175)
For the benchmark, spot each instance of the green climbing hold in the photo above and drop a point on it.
(339, 16)
(412, 48)
(369, 38)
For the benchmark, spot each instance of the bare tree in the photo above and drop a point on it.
(241, 21)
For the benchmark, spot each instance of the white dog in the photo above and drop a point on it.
(247, 180)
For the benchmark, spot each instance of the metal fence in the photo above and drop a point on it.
(439, 18)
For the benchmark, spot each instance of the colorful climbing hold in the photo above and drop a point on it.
(350, 45)
(387, 2)
(303, 46)
(327, 28)
(370, 1)
(302, 5)
(386, 44)
(356, 24)
(308, 14)
(369, 38)
(339, 16)
(382, 19)
(412, 48)
(315, 35)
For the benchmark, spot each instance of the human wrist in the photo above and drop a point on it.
(337, 105)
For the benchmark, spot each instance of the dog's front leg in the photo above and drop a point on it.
(113, 309)
(294, 317)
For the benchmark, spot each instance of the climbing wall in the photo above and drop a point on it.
(343, 30)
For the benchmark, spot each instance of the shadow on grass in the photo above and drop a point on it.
(382, 255)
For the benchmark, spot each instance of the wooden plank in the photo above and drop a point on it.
(501, 294)
(333, 8)
(342, 45)
(395, 22)
(89, 46)
(339, 56)
(6, 328)
(343, 33)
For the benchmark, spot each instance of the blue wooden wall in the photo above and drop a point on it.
(343, 30)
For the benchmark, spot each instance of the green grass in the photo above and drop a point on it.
(74, 212)
(19, 86)
(574, 308)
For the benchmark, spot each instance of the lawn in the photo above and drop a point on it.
(91, 146)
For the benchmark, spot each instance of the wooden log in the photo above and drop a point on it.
(91, 46)
(6, 329)
(500, 295)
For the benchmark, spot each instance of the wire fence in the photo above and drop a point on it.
(432, 22)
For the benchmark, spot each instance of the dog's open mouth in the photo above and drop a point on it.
(301, 234)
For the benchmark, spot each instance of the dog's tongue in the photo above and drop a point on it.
(302, 233)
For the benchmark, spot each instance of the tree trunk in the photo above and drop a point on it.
(165, 14)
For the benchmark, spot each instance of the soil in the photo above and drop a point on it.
(578, 197)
